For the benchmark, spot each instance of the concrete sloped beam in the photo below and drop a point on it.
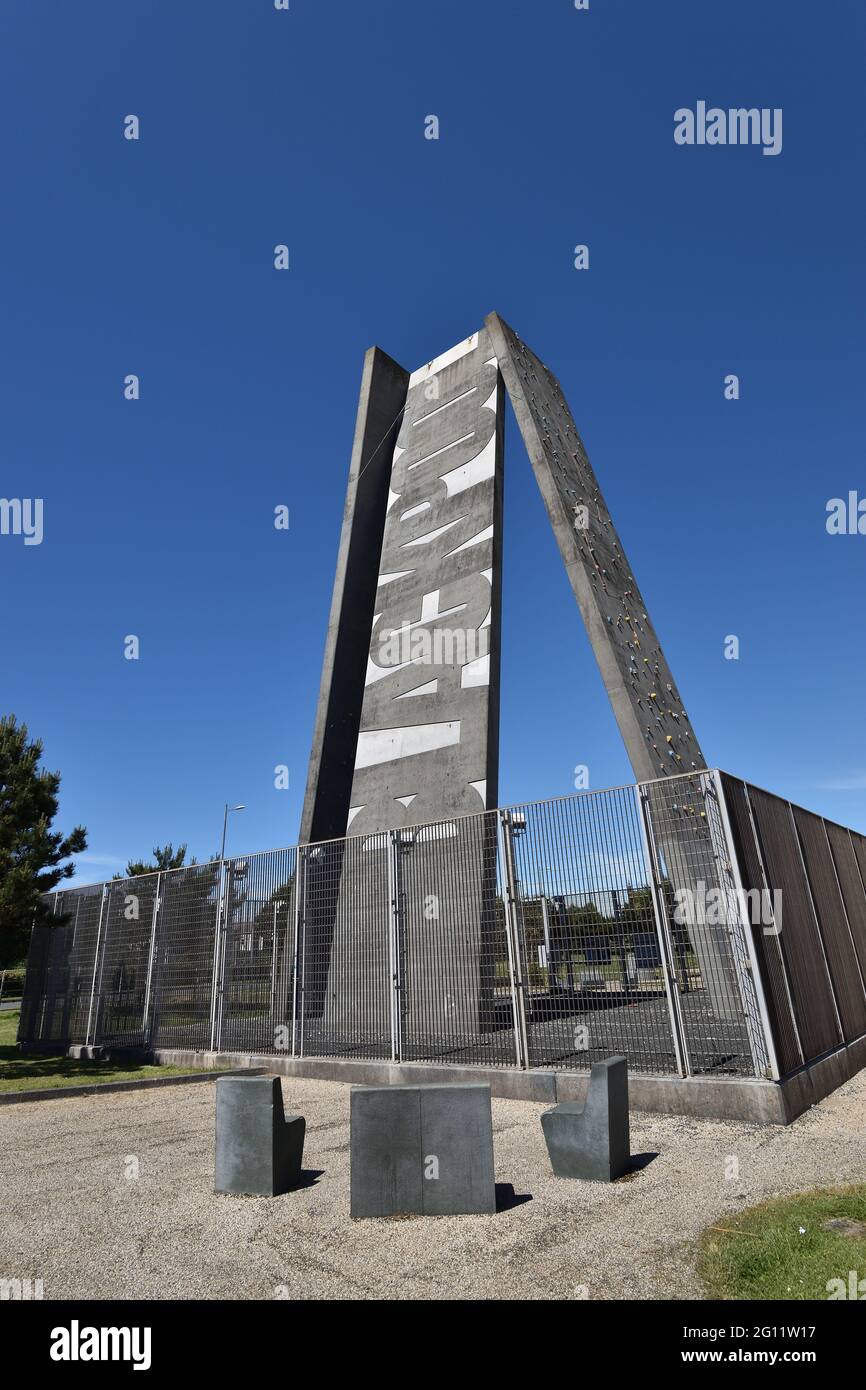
(384, 384)
(654, 725)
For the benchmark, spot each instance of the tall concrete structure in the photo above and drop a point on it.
(420, 554)
(407, 723)
(407, 728)
(428, 736)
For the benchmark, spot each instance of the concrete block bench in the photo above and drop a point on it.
(421, 1150)
(591, 1139)
(259, 1149)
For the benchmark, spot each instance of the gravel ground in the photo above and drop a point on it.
(75, 1215)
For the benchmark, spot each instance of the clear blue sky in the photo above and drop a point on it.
(556, 128)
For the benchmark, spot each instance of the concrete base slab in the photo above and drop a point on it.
(708, 1097)
(81, 1052)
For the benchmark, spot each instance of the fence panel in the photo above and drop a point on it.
(35, 990)
(454, 989)
(345, 971)
(122, 967)
(254, 992)
(592, 979)
(183, 967)
(73, 958)
(714, 995)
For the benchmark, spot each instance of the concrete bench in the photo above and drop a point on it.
(259, 1150)
(591, 1139)
(421, 1150)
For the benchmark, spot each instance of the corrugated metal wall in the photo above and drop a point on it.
(812, 957)
(830, 909)
(767, 946)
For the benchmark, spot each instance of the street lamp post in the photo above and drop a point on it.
(228, 808)
(219, 949)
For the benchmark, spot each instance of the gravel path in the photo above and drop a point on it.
(75, 1215)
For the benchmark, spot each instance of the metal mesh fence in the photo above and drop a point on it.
(455, 992)
(184, 957)
(712, 988)
(254, 973)
(57, 1001)
(122, 961)
(590, 963)
(548, 934)
(345, 968)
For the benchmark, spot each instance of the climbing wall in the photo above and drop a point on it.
(649, 710)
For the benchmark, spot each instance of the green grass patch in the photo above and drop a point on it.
(781, 1249)
(35, 1071)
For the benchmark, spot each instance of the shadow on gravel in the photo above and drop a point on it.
(309, 1177)
(506, 1197)
(635, 1164)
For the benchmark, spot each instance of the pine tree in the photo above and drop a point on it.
(31, 853)
(164, 857)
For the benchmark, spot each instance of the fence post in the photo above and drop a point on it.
(145, 1029)
(666, 953)
(217, 953)
(512, 935)
(88, 1041)
(749, 979)
(297, 952)
(395, 944)
(274, 959)
(228, 889)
